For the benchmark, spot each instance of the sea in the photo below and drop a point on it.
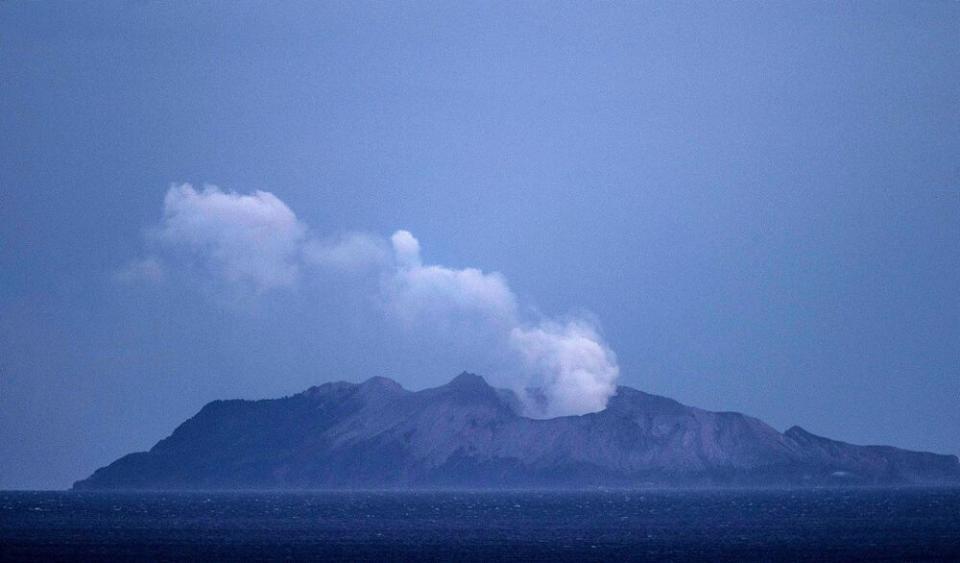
(915, 524)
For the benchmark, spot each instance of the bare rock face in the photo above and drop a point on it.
(467, 434)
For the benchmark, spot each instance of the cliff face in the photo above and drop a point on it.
(466, 433)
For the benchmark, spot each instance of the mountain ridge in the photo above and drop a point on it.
(377, 434)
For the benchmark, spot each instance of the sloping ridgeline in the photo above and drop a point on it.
(467, 434)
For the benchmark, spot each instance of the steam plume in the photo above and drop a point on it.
(257, 243)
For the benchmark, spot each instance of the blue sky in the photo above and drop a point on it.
(754, 207)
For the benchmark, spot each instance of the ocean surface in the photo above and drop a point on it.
(830, 524)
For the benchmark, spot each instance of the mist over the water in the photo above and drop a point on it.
(238, 247)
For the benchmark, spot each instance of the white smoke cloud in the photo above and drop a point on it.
(406, 248)
(437, 294)
(256, 241)
(351, 252)
(148, 269)
(579, 372)
(566, 368)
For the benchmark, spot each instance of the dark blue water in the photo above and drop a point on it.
(915, 524)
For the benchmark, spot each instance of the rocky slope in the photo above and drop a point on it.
(467, 434)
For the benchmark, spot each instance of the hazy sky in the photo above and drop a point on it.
(750, 207)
